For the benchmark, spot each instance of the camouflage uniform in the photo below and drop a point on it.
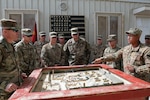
(78, 53)
(115, 64)
(39, 44)
(97, 51)
(52, 55)
(27, 56)
(112, 41)
(9, 71)
(138, 57)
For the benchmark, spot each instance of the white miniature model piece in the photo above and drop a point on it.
(54, 81)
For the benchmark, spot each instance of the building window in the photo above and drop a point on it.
(24, 18)
(109, 23)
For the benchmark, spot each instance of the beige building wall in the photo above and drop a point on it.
(88, 8)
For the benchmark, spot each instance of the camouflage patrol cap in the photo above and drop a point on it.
(147, 36)
(61, 35)
(53, 34)
(99, 37)
(74, 30)
(42, 33)
(112, 37)
(8, 24)
(134, 31)
(26, 31)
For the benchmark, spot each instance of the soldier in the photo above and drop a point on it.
(41, 42)
(27, 53)
(52, 53)
(61, 39)
(136, 56)
(98, 49)
(112, 42)
(147, 40)
(77, 49)
(9, 71)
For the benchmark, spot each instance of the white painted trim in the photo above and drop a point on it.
(141, 9)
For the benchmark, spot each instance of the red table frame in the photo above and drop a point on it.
(137, 90)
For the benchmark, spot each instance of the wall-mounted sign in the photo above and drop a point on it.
(63, 24)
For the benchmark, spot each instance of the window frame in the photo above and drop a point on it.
(22, 13)
(120, 26)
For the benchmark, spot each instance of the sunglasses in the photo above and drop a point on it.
(15, 30)
(74, 34)
(43, 36)
(29, 35)
(53, 37)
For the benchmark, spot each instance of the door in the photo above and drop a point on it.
(144, 24)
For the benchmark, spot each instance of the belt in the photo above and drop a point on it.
(5, 74)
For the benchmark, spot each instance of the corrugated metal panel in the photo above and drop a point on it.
(3, 6)
(46, 13)
(53, 7)
(22, 4)
(77, 7)
(0, 10)
(87, 23)
(91, 22)
(134, 1)
(41, 7)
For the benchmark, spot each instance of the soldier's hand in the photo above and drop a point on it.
(130, 68)
(24, 75)
(11, 87)
(97, 61)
